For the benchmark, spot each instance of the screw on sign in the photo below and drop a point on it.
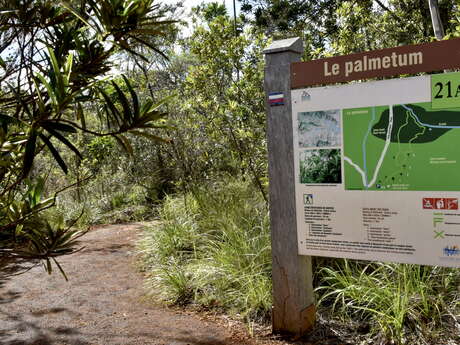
(440, 203)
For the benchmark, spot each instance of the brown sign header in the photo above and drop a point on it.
(411, 59)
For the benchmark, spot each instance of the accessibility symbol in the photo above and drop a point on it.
(308, 199)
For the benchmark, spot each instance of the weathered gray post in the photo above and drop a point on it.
(293, 299)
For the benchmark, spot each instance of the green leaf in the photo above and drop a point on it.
(81, 115)
(61, 138)
(126, 47)
(41, 104)
(152, 116)
(58, 126)
(151, 46)
(132, 5)
(21, 101)
(124, 102)
(68, 67)
(48, 87)
(74, 11)
(125, 144)
(8, 11)
(29, 154)
(133, 96)
(150, 136)
(149, 106)
(44, 203)
(55, 153)
(5, 120)
(60, 269)
(57, 72)
(110, 105)
(19, 228)
(49, 269)
(36, 191)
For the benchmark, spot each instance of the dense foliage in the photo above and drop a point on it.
(333, 27)
(321, 166)
(56, 60)
(83, 140)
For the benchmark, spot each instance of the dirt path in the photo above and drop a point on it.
(101, 304)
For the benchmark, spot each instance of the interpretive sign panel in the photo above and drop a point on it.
(377, 169)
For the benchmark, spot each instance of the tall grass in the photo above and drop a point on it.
(212, 248)
(407, 304)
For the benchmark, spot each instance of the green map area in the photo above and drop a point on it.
(403, 147)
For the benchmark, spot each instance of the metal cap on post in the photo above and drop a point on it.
(293, 299)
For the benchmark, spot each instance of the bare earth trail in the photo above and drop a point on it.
(102, 304)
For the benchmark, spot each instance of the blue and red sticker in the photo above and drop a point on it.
(275, 98)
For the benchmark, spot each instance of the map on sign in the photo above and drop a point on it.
(401, 147)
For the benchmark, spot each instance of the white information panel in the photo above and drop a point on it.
(377, 172)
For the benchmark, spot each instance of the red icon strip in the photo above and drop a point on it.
(440, 203)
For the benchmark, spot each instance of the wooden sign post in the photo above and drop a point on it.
(293, 299)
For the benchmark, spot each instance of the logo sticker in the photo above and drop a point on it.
(305, 96)
(451, 250)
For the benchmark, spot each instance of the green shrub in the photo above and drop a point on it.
(118, 199)
(407, 304)
(212, 248)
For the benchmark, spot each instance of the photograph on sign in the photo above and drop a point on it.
(377, 167)
(319, 128)
(320, 166)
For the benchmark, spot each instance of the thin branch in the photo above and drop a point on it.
(391, 13)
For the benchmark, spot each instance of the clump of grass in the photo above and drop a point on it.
(212, 248)
(406, 304)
